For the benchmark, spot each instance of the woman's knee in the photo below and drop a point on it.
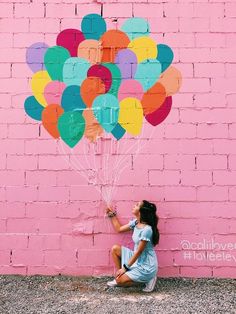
(116, 249)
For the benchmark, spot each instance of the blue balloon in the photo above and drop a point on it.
(93, 26)
(106, 110)
(71, 99)
(33, 108)
(75, 71)
(135, 27)
(118, 131)
(148, 73)
(165, 55)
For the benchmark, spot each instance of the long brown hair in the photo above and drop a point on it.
(148, 215)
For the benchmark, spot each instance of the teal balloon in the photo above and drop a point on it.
(165, 56)
(106, 111)
(75, 71)
(118, 131)
(148, 73)
(93, 26)
(71, 126)
(54, 60)
(71, 99)
(135, 27)
(116, 77)
(33, 108)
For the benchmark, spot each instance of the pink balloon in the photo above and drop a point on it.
(130, 88)
(53, 92)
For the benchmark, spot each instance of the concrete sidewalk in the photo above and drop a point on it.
(64, 294)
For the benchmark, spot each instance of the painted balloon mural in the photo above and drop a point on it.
(96, 81)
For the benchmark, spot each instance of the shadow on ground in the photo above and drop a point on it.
(64, 294)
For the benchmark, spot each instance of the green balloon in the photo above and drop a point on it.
(116, 77)
(71, 126)
(54, 60)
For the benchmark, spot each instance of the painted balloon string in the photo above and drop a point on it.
(98, 84)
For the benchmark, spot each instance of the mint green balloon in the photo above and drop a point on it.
(135, 27)
(54, 60)
(75, 71)
(71, 126)
(116, 77)
(106, 111)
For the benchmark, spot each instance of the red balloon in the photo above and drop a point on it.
(103, 73)
(161, 113)
(70, 39)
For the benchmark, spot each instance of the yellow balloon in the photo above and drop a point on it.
(144, 48)
(38, 82)
(131, 115)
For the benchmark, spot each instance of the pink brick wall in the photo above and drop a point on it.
(52, 221)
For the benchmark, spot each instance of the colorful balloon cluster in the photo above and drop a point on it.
(97, 79)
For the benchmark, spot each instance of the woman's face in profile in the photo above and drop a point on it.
(135, 209)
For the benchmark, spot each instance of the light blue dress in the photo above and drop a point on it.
(146, 265)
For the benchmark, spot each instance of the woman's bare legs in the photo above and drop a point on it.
(123, 280)
(116, 254)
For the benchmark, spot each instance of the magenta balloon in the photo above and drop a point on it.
(161, 113)
(126, 60)
(103, 73)
(35, 56)
(130, 88)
(70, 39)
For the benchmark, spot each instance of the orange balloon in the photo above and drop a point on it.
(92, 128)
(153, 98)
(50, 116)
(171, 79)
(112, 41)
(90, 89)
(91, 50)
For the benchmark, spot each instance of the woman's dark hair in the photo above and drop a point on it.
(148, 215)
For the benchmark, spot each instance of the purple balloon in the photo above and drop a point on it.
(35, 56)
(126, 60)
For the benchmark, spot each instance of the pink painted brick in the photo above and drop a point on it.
(39, 25)
(224, 146)
(12, 178)
(83, 10)
(42, 147)
(181, 226)
(29, 10)
(178, 9)
(205, 162)
(41, 209)
(179, 161)
(24, 40)
(212, 131)
(27, 257)
(224, 272)
(164, 272)
(196, 178)
(209, 100)
(10, 270)
(209, 10)
(6, 10)
(203, 83)
(14, 25)
(179, 40)
(180, 193)
(5, 257)
(69, 242)
(195, 271)
(59, 10)
(232, 130)
(221, 177)
(166, 177)
(195, 24)
(92, 257)
(21, 225)
(152, 10)
(209, 70)
(117, 10)
(232, 162)
(40, 177)
(13, 241)
(232, 194)
(230, 9)
(53, 225)
(6, 40)
(3, 161)
(21, 193)
(51, 162)
(12, 210)
(223, 25)
(57, 193)
(180, 130)
(216, 193)
(198, 146)
(163, 25)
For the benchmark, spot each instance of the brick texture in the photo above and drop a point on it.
(52, 217)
